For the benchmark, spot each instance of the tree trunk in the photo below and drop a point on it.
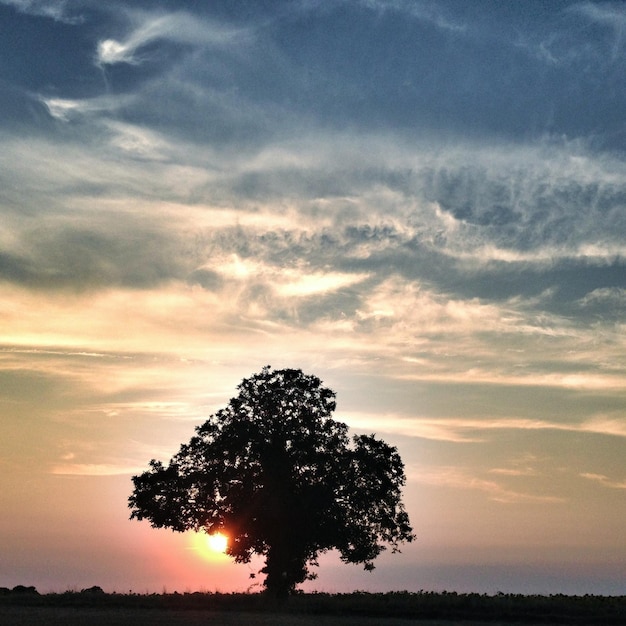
(277, 581)
(283, 569)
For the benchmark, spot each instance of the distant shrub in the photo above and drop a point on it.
(24, 589)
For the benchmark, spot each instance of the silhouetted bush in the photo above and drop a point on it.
(21, 589)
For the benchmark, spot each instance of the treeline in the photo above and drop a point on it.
(511, 608)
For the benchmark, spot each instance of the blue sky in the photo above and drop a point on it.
(423, 203)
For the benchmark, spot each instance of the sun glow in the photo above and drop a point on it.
(212, 547)
(217, 542)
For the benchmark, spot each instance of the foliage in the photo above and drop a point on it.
(282, 479)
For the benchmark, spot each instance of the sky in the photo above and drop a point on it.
(422, 202)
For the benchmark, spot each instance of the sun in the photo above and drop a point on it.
(211, 547)
(217, 542)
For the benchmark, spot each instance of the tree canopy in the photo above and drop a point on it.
(282, 479)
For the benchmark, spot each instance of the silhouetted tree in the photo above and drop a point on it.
(282, 479)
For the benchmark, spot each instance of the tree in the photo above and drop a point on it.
(282, 479)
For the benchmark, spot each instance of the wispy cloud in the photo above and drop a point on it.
(95, 469)
(66, 110)
(459, 478)
(602, 296)
(424, 11)
(181, 28)
(55, 9)
(613, 425)
(468, 429)
(611, 15)
(407, 203)
(510, 471)
(605, 481)
(412, 426)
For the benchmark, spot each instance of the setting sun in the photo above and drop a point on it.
(210, 547)
(217, 542)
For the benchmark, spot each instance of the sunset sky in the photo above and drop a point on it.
(421, 202)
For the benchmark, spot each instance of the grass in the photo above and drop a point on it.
(79, 616)
(95, 607)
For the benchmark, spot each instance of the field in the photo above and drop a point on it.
(55, 616)
(25, 607)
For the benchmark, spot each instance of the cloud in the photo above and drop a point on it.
(605, 481)
(444, 254)
(613, 296)
(66, 109)
(180, 28)
(608, 14)
(429, 12)
(55, 9)
(459, 478)
(375, 260)
(94, 469)
(492, 207)
(478, 206)
(305, 285)
(602, 424)
(411, 426)
(474, 430)
(509, 471)
(70, 256)
(286, 282)
(138, 142)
